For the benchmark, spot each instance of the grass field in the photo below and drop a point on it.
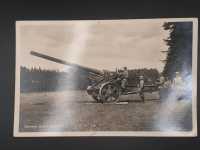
(76, 111)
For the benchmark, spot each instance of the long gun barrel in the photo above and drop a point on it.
(91, 70)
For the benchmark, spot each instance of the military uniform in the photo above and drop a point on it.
(141, 87)
(125, 78)
(178, 86)
(141, 83)
(178, 82)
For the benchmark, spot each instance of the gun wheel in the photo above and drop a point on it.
(96, 98)
(109, 93)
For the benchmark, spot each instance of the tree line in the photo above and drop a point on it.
(179, 52)
(39, 80)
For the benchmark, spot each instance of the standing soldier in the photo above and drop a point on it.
(164, 88)
(141, 87)
(167, 83)
(178, 86)
(124, 78)
(162, 80)
(177, 82)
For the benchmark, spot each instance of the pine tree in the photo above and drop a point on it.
(179, 54)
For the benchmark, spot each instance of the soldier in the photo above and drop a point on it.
(178, 86)
(124, 77)
(162, 80)
(167, 83)
(141, 83)
(141, 87)
(164, 88)
(177, 82)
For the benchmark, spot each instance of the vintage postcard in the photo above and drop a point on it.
(129, 77)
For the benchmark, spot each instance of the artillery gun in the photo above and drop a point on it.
(105, 85)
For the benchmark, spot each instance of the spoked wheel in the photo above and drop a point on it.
(96, 98)
(109, 93)
(94, 93)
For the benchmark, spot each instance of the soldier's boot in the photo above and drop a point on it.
(142, 97)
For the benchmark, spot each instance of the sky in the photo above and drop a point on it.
(100, 44)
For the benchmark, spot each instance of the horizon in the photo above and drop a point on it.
(57, 70)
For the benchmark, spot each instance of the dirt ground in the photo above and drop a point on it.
(76, 111)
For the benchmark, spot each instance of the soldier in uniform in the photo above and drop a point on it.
(141, 87)
(164, 88)
(124, 77)
(177, 82)
(178, 86)
(162, 80)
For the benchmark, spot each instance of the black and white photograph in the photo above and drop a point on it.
(128, 77)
